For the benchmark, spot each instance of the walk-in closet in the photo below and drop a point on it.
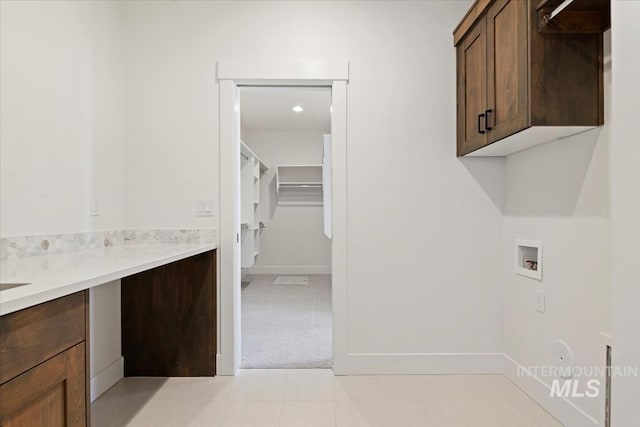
(285, 176)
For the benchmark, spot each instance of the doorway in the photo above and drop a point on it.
(285, 72)
(285, 227)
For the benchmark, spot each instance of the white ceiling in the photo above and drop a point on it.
(270, 108)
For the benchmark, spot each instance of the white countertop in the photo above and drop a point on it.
(57, 275)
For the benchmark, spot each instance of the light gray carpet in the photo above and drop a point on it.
(286, 326)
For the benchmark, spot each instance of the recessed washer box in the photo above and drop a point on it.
(528, 258)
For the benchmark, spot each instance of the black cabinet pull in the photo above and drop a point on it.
(480, 116)
(487, 120)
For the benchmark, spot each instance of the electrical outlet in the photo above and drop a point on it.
(94, 206)
(540, 301)
(204, 207)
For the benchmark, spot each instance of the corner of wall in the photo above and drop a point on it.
(105, 379)
(561, 408)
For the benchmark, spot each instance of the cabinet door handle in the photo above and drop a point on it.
(487, 120)
(480, 116)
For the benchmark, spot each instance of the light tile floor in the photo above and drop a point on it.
(315, 397)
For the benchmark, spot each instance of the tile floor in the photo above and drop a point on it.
(315, 397)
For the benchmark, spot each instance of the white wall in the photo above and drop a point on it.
(61, 80)
(61, 112)
(559, 193)
(424, 272)
(625, 208)
(294, 240)
(423, 226)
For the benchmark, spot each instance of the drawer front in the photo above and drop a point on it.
(31, 336)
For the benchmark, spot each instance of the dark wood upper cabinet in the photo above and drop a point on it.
(521, 82)
(472, 89)
(507, 95)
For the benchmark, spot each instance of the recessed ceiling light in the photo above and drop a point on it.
(297, 109)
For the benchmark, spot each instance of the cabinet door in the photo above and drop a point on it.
(51, 394)
(507, 75)
(472, 87)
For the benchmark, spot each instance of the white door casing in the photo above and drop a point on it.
(277, 72)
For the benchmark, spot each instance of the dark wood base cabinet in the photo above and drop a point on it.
(169, 319)
(44, 364)
(168, 329)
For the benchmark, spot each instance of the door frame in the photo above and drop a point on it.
(277, 72)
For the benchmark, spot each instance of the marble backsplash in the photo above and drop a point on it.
(17, 247)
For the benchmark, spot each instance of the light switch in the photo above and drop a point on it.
(204, 207)
(94, 207)
(540, 302)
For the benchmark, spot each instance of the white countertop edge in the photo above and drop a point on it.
(39, 297)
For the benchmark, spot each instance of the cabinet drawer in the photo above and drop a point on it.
(31, 336)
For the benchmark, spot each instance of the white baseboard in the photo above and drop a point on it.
(289, 269)
(561, 408)
(106, 378)
(425, 363)
(219, 366)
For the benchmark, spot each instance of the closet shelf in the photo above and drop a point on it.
(248, 153)
(298, 176)
(252, 169)
(300, 184)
